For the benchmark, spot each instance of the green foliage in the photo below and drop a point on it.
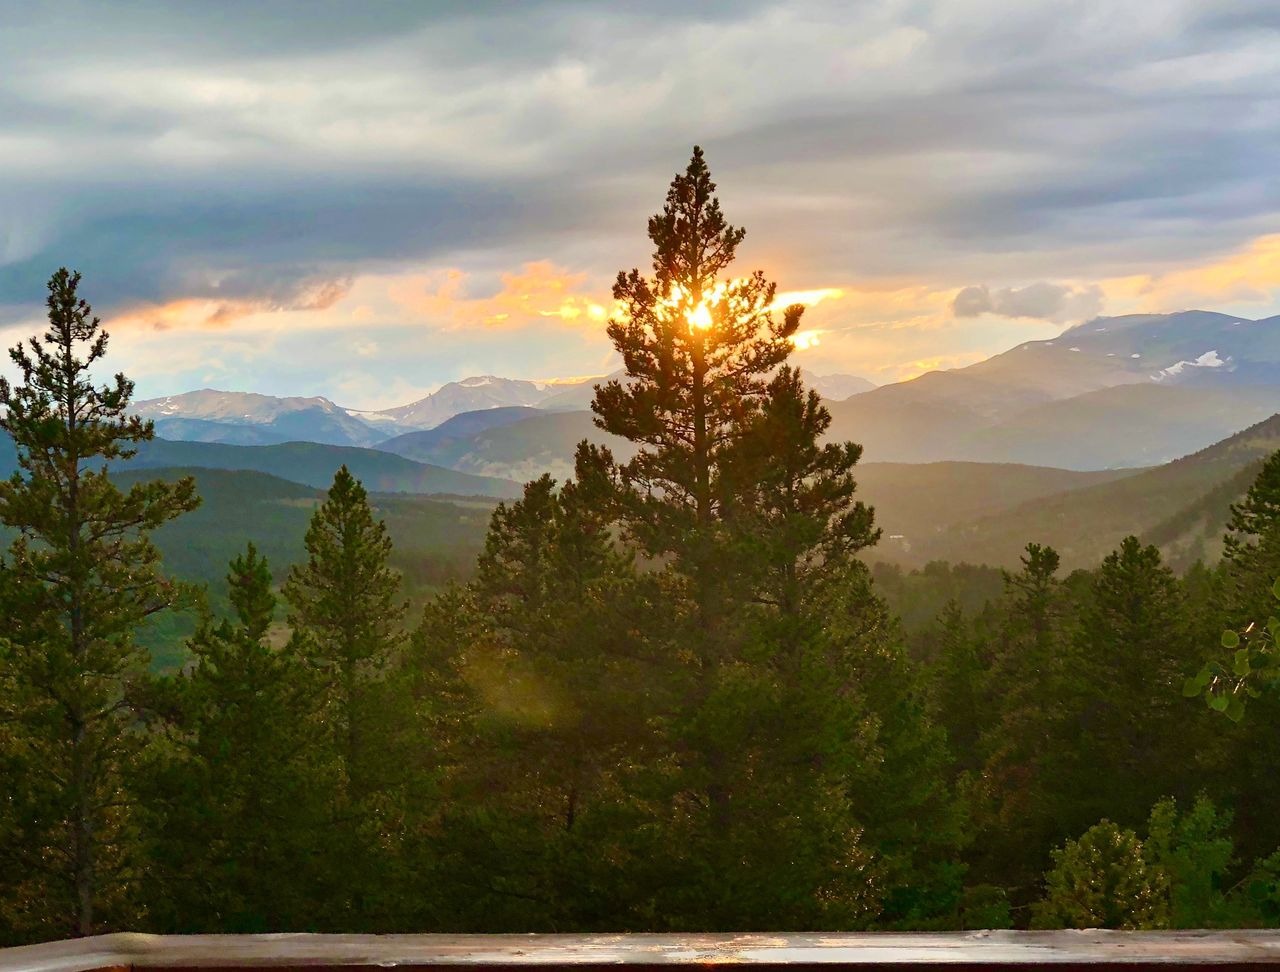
(919, 598)
(698, 352)
(346, 617)
(670, 697)
(1179, 877)
(958, 686)
(1251, 665)
(791, 684)
(80, 578)
(1103, 880)
(1129, 654)
(985, 906)
(1252, 661)
(1256, 517)
(1262, 889)
(541, 682)
(1195, 851)
(1025, 735)
(236, 787)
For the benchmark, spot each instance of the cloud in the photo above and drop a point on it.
(216, 169)
(885, 138)
(537, 291)
(1044, 301)
(204, 308)
(1247, 278)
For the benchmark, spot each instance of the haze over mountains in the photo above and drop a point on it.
(1119, 425)
(1110, 393)
(249, 418)
(1151, 425)
(1122, 391)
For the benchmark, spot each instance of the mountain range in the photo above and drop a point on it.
(956, 511)
(1203, 375)
(1119, 425)
(435, 487)
(1119, 392)
(249, 418)
(1085, 401)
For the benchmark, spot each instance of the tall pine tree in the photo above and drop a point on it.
(79, 579)
(347, 620)
(699, 351)
(756, 525)
(546, 686)
(1250, 569)
(1252, 546)
(1027, 738)
(1132, 654)
(237, 786)
(345, 609)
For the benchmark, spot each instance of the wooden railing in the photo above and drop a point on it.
(877, 952)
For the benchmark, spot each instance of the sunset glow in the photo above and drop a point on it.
(342, 187)
(562, 483)
(809, 298)
(806, 340)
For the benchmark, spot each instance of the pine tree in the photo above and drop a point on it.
(788, 501)
(756, 526)
(1252, 546)
(698, 351)
(1247, 754)
(344, 607)
(1104, 880)
(1027, 738)
(232, 795)
(1195, 850)
(548, 679)
(346, 617)
(958, 682)
(1131, 657)
(80, 578)
(896, 780)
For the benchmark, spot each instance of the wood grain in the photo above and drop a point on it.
(861, 952)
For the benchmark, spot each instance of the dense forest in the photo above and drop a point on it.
(672, 696)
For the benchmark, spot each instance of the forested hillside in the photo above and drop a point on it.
(666, 692)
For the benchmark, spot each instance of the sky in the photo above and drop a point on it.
(366, 200)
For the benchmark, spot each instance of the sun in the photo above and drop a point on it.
(700, 317)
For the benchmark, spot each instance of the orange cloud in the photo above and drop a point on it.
(539, 289)
(186, 313)
(942, 362)
(208, 312)
(804, 340)
(1251, 275)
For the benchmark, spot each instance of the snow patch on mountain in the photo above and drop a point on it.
(370, 417)
(1209, 359)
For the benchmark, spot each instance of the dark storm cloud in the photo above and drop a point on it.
(256, 151)
(236, 242)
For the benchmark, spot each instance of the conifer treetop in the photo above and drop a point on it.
(57, 406)
(698, 347)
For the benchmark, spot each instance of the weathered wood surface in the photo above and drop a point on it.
(866, 952)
